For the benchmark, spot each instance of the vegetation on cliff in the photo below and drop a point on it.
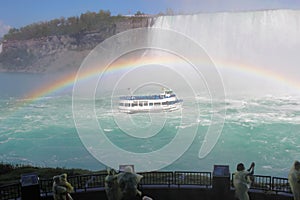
(87, 22)
(61, 43)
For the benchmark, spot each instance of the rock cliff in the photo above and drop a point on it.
(59, 52)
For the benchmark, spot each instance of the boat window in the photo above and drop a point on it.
(134, 104)
(140, 103)
(157, 104)
(150, 104)
(127, 105)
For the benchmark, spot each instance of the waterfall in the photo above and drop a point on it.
(252, 50)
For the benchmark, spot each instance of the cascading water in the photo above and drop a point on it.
(255, 51)
(256, 54)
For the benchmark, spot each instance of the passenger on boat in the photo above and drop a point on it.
(242, 181)
(294, 180)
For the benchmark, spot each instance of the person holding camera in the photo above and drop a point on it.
(242, 181)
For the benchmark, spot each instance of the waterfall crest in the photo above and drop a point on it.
(266, 41)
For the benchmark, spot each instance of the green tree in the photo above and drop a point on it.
(138, 13)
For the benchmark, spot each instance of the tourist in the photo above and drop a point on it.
(67, 185)
(59, 192)
(242, 181)
(61, 188)
(294, 180)
(112, 188)
(128, 182)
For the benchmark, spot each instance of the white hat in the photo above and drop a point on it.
(128, 169)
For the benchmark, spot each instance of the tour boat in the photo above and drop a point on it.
(166, 101)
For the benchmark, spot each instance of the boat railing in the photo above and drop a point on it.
(150, 97)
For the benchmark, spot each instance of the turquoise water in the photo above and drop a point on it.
(43, 133)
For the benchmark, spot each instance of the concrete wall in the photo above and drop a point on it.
(175, 193)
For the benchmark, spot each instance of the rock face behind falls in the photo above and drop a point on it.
(59, 52)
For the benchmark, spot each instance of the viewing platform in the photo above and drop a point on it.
(160, 185)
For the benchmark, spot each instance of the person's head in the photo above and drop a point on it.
(240, 167)
(128, 169)
(63, 177)
(297, 165)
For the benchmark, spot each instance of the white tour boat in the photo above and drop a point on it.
(167, 101)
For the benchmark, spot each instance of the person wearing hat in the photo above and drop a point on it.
(294, 180)
(64, 182)
(59, 192)
(112, 188)
(62, 188)
(242, 181)
(67, 185)
(128, 182)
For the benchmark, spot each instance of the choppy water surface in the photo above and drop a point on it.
(264, 130)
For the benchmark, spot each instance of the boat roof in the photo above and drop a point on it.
(167, 92)
(145, 97)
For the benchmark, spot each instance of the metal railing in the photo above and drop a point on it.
(192, 178)
(83, 183)
(262, 182)
(12, 191)
(157, 178)
(281, 185)
(46, 186)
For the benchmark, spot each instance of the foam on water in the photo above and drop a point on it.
(255, 130)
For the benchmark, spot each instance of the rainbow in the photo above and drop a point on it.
(95, 71)
(69, 79)
(262, 73)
